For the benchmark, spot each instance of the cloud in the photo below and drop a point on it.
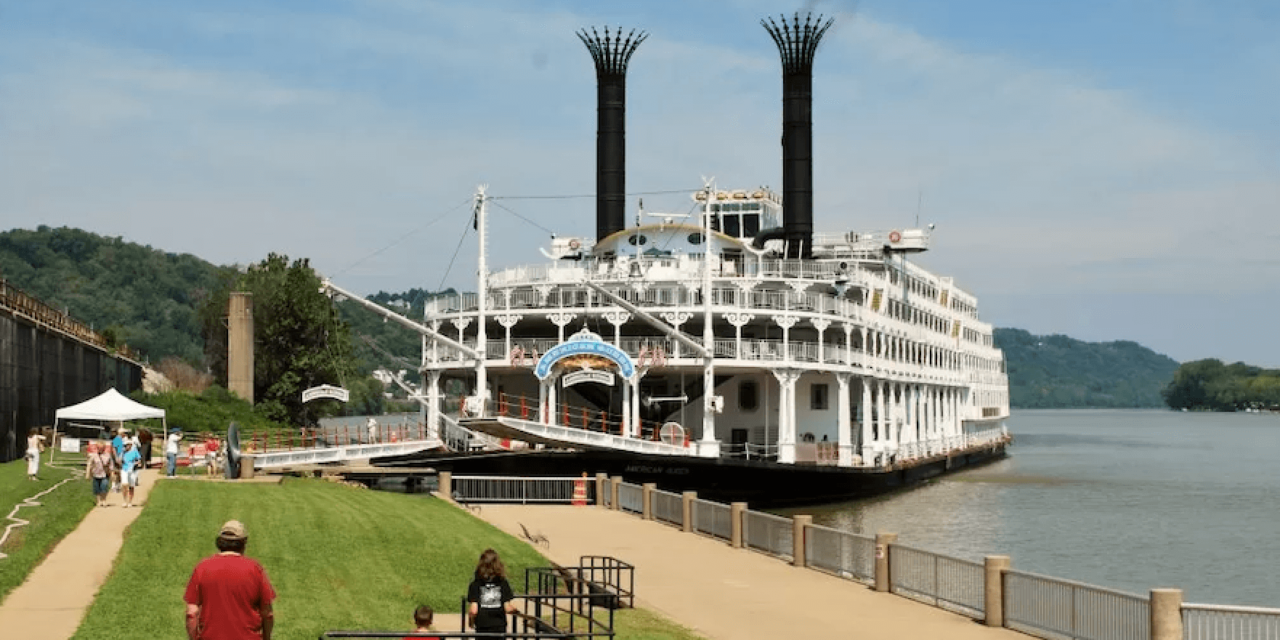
(342, 134)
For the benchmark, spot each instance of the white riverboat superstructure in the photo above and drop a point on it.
(732, 351)
(854, 357)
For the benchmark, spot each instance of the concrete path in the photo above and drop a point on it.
(55, 597)
(732, 594)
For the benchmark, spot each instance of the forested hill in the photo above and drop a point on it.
(130, 293)
(1058, 372)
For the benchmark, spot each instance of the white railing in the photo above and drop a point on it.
(667, 507)
(943, 581)
(1221, 622)
(519, 490)
(1037, 604)
(768, 533)
(573, 436)
(323, 455)
(631, 497)
(848, 555)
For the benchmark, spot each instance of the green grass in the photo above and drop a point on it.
(339, 558)
(60, 511)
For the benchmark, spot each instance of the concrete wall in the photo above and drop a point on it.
(42, 370)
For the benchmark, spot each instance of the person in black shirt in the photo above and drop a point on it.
(490, 595)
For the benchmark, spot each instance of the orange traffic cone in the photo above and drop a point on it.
(580, 491)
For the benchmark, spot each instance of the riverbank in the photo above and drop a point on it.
(339, 557)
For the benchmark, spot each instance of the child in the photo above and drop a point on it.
(422, 617)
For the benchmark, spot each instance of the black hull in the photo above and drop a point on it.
(758, 483)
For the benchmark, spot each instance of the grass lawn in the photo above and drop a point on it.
(339, 558)
(59, 513)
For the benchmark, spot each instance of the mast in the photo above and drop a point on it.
(482, 285)
(708, 446)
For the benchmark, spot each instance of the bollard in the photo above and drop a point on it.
(689, 497)
(884, 582)
(1166, 614)
(648, 500)
(445, 484)
(737, 511)
(602, 479)
(613, 492)
(798, 523)
(994, 568)
(246, 467)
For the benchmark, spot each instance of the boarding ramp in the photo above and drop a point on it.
(553, 435)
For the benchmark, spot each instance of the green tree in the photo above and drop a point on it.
(299, 340)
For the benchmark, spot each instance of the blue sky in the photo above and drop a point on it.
(1106, 170)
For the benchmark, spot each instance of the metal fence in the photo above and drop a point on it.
(630, 497)
(943, 581)
(517, 490)
(1220, 622)
(668, 507)
(768, 533)
(1037, 605)
(713, 518)
(844, 554)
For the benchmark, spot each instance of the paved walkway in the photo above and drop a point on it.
(55, 597)
(732, 594)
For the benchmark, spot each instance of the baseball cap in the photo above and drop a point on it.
(233, 530)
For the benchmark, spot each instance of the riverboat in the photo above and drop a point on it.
(735, 353)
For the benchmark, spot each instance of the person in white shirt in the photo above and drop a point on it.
(171, 452)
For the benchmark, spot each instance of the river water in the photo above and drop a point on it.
(1129, 500)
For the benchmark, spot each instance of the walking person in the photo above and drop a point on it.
(171, 452)
(129, 471)
(489, 595)
(35, 444)
(98, 468)
(145, 437)
(229, 595)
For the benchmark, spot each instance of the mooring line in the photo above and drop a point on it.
(19, 522)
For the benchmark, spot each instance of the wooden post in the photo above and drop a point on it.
(602, 479)
(737, 511)
(994, 568)
(689, 497)
(649, 487)
(798, 523)
(884, 581)
(445, 484)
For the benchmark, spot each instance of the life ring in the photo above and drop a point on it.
(895, 236)
(575, 244)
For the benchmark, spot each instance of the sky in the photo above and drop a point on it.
(1107, 170)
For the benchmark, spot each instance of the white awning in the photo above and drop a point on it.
(108, 406)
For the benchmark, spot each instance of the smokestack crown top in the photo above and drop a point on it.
(797, 42)
(613, 51)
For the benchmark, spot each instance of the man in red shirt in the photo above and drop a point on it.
(229, 596)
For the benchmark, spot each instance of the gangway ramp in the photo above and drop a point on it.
(270, 459)
(557, 436)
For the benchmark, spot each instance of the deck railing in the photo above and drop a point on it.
(1037, 604)
(768, 533)
(943, 581)
(848, 555)
(668, 507)
(517, 490)
(1220, 622)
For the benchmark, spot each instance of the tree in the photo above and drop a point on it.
(299, 341)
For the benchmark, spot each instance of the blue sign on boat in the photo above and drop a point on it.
(584, 342)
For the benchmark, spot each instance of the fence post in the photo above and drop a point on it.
(689, 497)
(601, 480)
(648, 500)
(737, 511)
(798, 523)
(994, 568)
(445, 483)
(884, 581)
(1166, 614)
(614, 482)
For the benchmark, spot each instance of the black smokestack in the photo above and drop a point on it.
(797, 44)
(612, 53)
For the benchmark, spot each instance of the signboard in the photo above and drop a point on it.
(325, 391)
(70, 445)
(588, 375)
(584, 343)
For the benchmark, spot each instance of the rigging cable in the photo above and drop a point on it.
(455, 255)
(404, 237)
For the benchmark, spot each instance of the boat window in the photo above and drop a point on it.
(750, 225)
(637, 239)
(818, 397)
(748, 395)
(695, 238)
(731, 226)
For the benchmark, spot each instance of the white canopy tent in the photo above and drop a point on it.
(110, 405)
